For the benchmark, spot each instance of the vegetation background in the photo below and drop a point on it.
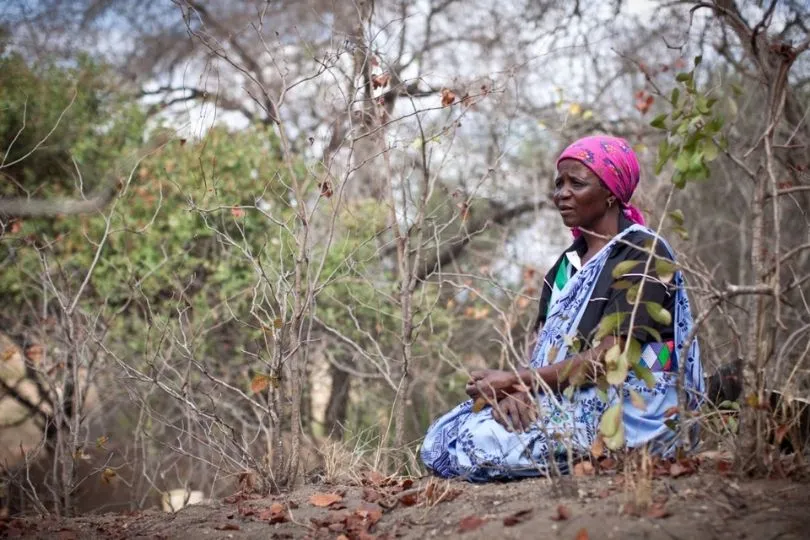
(249, 244)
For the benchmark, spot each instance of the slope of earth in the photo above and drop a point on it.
(702, 505)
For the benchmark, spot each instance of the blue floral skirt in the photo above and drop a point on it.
(474, 447)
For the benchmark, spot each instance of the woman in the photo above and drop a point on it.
(532, 426)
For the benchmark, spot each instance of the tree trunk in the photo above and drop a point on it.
(338, 405)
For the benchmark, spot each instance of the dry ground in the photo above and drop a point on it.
(701, 505)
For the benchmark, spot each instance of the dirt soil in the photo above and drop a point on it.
(702, 505)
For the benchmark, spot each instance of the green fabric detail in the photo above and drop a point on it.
(663, 355)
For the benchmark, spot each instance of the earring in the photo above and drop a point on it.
(610, 203)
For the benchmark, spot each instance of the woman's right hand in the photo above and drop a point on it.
(490, 384)
(516, 412)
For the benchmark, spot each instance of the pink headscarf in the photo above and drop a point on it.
(616, 165)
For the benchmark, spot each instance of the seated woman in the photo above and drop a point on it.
(530, 423)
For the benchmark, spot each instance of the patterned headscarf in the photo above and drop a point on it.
(616, 165)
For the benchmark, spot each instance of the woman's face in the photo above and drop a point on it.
(579, 195)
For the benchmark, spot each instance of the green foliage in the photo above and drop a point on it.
(693, 131)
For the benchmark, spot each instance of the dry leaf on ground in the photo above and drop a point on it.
(582, 534)
(584, 468)
(518, 517)
(277, 513)
(562, 514)
(470, 523)
(322, 500)
(658, 511)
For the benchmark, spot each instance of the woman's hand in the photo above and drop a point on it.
(490, 384)
(516, 412)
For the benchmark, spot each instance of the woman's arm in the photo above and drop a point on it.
(585, 366)
(493, 384)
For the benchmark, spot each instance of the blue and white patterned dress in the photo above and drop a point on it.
(475, 447)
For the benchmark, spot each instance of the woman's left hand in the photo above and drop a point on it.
(490, 384)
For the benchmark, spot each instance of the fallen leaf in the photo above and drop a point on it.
(470, 523)
(237, 212)
(563, 513)
(277, 513)
(370, 515)
(582, 534)
(658, 511)
(584, 468)
(409, 499)
(227, 527)
(608, 464)
(376, 478)
(372, 495)
(518, 517)
(322, 500)
(448, 97)
(678, 469)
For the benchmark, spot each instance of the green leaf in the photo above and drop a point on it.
(682, 162)
(632, 294)
(609, 324)
(732, 107)
(698, 59)
(623, 268)
(676, 94)
(677, 216)
(683, 77)
(702, 105)
(732, 424)
(645, 374)
(710, 150)
(569, 392)
(611, 421)
(616, 442)
(684, 234)
(715, 125)
(652, 332)
(573, 342)
(621, 285)
(727, 404)
(659, 121)
(659, 313)
(637, 400)
(633, 351)
(616, 372)
(659, 165)
(665, 270)
(672, 424)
